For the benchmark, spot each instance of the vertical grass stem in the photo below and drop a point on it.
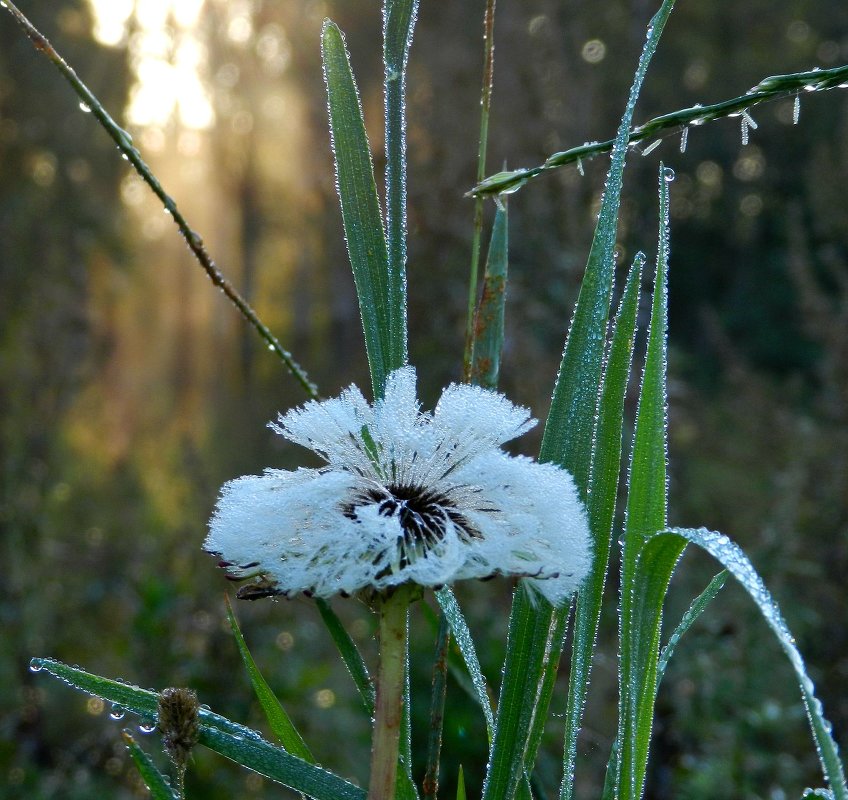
(485, 106)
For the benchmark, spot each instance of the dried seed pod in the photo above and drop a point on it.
(178, 723)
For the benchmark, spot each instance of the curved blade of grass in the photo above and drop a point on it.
(699, 605)
(647, 495)
(567, 441)
(465, 643)
(237, 742)
(489, 319)
(363, 224)
(734, 560)
(350, 654)
(603, 480)
(281, 726)
(398, 26)
(158, 785)
(773, 87)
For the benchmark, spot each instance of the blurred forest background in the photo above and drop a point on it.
(130, 389)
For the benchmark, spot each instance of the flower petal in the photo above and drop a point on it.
(540, 529)
(333, 429)
(468, 421)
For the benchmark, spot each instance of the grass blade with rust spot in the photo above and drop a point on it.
(489, 319)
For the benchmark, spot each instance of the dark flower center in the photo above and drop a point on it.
(424, 516)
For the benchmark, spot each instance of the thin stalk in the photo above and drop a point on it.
(774, 87)
(485, 106)
(388, 712)
(430, 785)
(125, 144)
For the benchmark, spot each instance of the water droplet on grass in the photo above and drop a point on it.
(35, 665)
(651, 147)
(668, 174)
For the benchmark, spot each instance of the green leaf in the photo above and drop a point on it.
(405, 788)
(568, 430)
(734, 560)
(350, 654)
(567, 441)
(154, 780)
(489, 320)
(642, 594)
(398, 26)
(465, 643)
(278, 719)
(363, 225)
(438, 694)
(241, 744)
(699, 605)
(603, 480)
(532, 629)
(460, 785)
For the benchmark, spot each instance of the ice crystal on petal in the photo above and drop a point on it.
(406, 497)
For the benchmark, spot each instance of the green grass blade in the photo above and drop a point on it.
(647, 495)
(460, 785)
(465, 643)
(237, 742)
(398, 26)
(529, 653)
(430, 784)
(556, 635)
(568, 430)
(363, 225)
(405, 789)
(567, 441)
(281, 726)
(159, 786)
(603, 480)
(734, 560)
(350, 654)
(699, 605)
(608, 792)
(489, 320)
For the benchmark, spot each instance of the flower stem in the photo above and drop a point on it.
(389, 707)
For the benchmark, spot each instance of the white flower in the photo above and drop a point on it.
(405, 497)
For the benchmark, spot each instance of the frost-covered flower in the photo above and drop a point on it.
(405, 497)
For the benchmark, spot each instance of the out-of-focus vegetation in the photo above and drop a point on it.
(129, 389)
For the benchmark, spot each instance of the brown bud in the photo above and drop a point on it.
(178, 723)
